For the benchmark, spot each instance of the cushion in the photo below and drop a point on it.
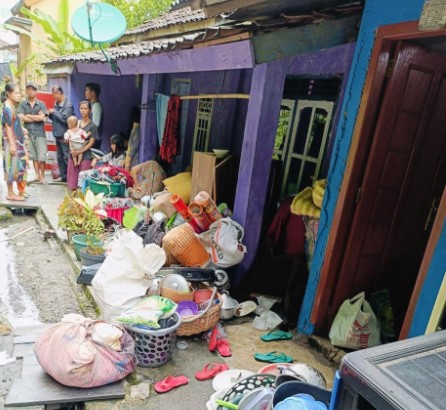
(180, 184)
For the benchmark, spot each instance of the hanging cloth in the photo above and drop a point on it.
(162, 102)
(170, 146)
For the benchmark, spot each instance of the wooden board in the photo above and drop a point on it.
(33, 202)
(203, 173)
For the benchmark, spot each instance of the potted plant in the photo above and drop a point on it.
(81, 214)
(92, 254)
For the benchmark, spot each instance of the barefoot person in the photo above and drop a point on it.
(76, 138)
(88, 126)
(14, 155)
(32, 112)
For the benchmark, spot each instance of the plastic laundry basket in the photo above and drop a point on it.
(153, 348)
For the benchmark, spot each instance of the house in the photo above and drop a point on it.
(32, 38)
(304, 62)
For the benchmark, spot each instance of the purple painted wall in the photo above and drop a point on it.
(260, 130)
(118, 95)
(224, 116)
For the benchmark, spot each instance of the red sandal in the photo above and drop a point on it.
(169, 383)
(211, 370)
(223, 348)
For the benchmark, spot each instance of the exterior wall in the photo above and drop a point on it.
(118, 95)
(256, 161)
(376, 13)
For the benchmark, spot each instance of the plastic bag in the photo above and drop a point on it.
(126, 273)
(68, 352)
(223, 241)
(355, 325)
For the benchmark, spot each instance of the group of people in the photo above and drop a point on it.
(24, 136)
(24, 140)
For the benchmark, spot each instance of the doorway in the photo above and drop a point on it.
(397, 176)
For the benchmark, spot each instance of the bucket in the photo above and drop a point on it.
(80, 241)
(153, 347)
(88, 259)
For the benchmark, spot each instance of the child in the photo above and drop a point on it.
(76, 137)
(117, 155)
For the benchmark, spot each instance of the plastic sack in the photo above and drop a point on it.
(69, 353)
(223, 241)
(126, 274)
(355, 325)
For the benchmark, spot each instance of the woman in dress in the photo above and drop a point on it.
(92, 133)
(14, 157)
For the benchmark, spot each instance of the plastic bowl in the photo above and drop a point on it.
(219, 153)
(187, 308)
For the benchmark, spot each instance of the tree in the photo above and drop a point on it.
(137, 12)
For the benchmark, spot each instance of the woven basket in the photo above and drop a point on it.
(182, 243)
(176, 296)
(203, 323)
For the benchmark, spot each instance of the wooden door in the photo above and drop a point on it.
(405, 174)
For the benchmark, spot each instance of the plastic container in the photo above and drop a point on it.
(80, 241)
(153, 348)
(108, 189)
(87, 259)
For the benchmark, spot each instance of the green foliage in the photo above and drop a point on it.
(60, 40)
(282, 129)
(137, 12)
(73, 216)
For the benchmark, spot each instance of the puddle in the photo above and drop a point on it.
(15, 305)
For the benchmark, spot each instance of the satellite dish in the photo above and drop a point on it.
(98, 23)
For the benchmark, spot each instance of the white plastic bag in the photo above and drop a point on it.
(126, 274)
(223, 241)
(355, 325)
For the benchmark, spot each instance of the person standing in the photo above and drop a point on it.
(59, 115)
(14, 155)
(32, 112)
(90, 128)
(92, 93)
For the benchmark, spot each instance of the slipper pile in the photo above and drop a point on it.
(273, 357)
(169, 383)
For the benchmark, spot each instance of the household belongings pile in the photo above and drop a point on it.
(107, 179)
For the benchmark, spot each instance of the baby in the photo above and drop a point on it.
(76, 137)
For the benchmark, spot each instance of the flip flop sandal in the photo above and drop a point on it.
(223, 348)
(245, 308)
(273, 357)
(169, 383)
(210, 371)
(276, 335)
(213, 339)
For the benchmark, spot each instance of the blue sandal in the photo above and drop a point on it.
(273, 357)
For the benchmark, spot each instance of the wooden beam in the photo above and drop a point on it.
(230, 56)
(200, 96)
(223, 40)
(304, 39)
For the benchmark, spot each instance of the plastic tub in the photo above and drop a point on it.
(153, 348)
(106, 188)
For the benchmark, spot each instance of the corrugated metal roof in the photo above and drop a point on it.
(133, 50)
(180, 16)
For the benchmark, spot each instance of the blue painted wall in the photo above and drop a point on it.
(376, 13)
(430, 289)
